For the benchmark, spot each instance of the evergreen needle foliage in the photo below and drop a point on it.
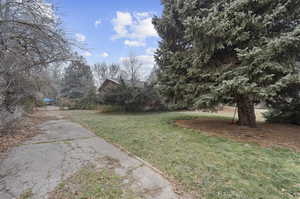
(78, 85)
(233, 51)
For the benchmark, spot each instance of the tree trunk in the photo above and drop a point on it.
(246, 112)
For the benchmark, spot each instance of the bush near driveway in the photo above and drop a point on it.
(134, 99)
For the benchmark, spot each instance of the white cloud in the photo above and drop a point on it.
(143, 14)
(143, 29)
(97, 23)
(80, 37)
(133, 26)
(147, 60)
(148, 64)
(121, 23)
(134, 43)
(87, 54)
(104, 54)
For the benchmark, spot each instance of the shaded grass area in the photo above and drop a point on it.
(208, 167)
(90, 183)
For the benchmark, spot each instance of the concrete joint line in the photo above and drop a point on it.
(59, 141)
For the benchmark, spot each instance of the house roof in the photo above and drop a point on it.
(138, 84)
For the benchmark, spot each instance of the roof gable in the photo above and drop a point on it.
(138, 84)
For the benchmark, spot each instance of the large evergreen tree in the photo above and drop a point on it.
(78, 80)
(233, 51)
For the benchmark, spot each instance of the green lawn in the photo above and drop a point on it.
(208, 167)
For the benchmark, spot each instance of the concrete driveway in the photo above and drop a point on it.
(62, 148)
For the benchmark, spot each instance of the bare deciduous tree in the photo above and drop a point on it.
(104, 71)
(132, 68)
(30, 40)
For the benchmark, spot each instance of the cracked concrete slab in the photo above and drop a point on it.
(64, 147)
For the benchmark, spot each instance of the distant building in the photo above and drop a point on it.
(153, 102)
(110, 84)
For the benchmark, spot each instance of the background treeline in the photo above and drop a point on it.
(133, 93)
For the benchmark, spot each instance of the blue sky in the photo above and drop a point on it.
(111, 29)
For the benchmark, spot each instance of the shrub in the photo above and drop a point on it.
(286, 107)
(65, 103)
(109, 108)
(87, 102)
(131, 99)
(40, 103)
(134, 99)
(9, 119)
(28, 104)
(284, 115)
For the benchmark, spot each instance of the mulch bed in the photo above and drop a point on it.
(266, 135)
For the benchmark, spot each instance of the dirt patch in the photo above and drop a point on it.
(25, 129)
(266, 135)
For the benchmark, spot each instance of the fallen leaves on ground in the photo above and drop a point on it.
(25, 129)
